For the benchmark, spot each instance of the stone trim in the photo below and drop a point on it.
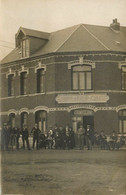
(23, 110)
(64, 92)
(10, 72)
(58, 62)
(121, 107)
(81, 61)
(12, 111)
(67, 109)
(40, 66)
(62, 55)
(123, 63)
(23, 69)
(88, 107)
(40, 108)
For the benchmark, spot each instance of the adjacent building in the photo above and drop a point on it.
(71, 76)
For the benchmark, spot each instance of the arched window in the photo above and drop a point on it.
(40, 119)
(82, 77)
(40, 80)
(24, 118)
(12, 119)
(23, 81)
(122, 121)
(10, 84)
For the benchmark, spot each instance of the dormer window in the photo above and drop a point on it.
(25, 48)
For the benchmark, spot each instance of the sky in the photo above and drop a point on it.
(52, 15)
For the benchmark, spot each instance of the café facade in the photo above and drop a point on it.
(72, 76)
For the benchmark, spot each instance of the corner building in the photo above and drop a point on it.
(71, 76)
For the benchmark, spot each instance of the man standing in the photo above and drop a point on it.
(81, 137)
(6, 135)
(113, 140)
(17, 136)
(25, 136)
(102, 138)
(3, 136)
(89, 136)
(36, 131)
(72, 140)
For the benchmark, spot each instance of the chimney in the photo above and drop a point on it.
(115, 25)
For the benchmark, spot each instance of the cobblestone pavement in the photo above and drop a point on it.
(62, 172)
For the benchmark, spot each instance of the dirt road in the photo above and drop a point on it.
(56, 172)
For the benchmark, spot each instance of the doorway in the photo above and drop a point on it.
(82, 117)
(88, 120)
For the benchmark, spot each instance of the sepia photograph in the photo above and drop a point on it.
(63, 97)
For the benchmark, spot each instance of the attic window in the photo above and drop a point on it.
(25, 48)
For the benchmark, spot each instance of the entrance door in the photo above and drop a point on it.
(83, 117)
(88, 120)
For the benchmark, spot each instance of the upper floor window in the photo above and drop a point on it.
(82, 77)
(123, 77)
(25, 48)
(122, 121)
(40, 80)
(23, 81)
(11, 85)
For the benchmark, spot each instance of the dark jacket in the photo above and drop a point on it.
(24, 133)
(36, 132)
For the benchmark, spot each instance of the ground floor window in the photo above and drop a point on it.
(24, 119)
(40, 119)
(122, 121)
(12, 119)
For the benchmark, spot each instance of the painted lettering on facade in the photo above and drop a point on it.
(86, 98)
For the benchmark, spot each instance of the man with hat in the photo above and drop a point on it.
(3, 136)
(36, 131)
(25, 136)
(81, 137)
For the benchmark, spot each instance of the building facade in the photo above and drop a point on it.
(72, 76)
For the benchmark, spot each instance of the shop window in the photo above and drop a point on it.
(40, 80)
(122, 121)
(40, 119)
(23, 81)
(124, 78)
(12, 119)
(82, 77)
(11, 85)
(25, 48)
(24, 119)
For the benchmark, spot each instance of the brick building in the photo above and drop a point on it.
(75, 75)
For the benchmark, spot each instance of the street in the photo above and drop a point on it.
(55, 172)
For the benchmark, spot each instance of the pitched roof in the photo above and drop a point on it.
(33, 33)
(82, 37)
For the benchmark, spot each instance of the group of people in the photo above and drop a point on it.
(91, 138)
(10, 137)
(59, 138)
